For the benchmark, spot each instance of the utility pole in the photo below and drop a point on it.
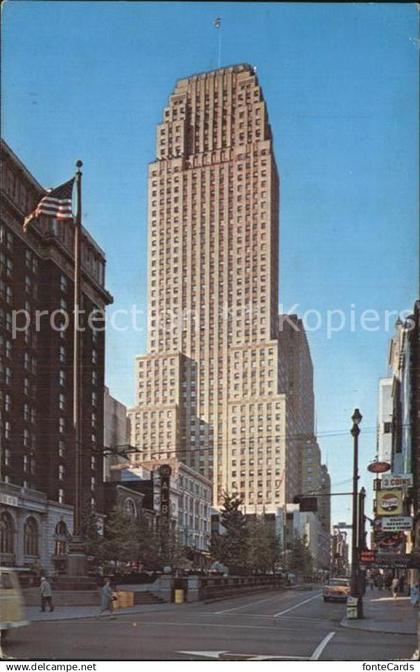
(355, 593)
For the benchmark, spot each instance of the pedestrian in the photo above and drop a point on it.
(371, 582)
(415, 595)
(379, 581)
(401, 584)
(46, 594)
(106, 598)
(394, 586)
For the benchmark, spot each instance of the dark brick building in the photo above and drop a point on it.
(36, 350)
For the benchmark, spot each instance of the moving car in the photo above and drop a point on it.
(337, 589)
(12, 611)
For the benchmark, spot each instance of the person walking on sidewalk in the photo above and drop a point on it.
(106, 598)
(401, 584)
(394, 586)
(46, 594)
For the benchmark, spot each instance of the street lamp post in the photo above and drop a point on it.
(355, 583)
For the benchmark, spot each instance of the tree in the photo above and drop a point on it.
(148, 551)
(121, 542)
(300, 559)
(90, 532)
(172, 552)
(263, 546)
(231, 548)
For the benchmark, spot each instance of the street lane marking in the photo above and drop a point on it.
(321, 646)
(244, 606)
(299, 604)
(238, 656)
(200, 624)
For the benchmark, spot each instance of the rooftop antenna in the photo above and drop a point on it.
(218, 25)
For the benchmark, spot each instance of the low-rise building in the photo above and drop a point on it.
(33, 530)
(189, 497)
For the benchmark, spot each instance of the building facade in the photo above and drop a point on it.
(36, 351)
(324, 502)
(399, 423)
(213, 388)
(385, 420)
(190, 497)
(116, 431)
(414, 339)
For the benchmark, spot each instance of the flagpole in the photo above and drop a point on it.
(219, 49)
(77, 511)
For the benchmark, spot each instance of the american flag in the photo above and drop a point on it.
(56, 204)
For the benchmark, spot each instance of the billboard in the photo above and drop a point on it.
(397, 481)
(389, 502)
(396, 523)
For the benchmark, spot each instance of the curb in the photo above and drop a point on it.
(119, 612)
(345, 624)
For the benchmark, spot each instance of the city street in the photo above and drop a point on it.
(292, 625)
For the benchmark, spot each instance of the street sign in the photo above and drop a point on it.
(396, 523)
(379, 467)
(393, 562)
(397, 481)
(389, 502)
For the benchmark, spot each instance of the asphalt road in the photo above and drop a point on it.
(290, 625)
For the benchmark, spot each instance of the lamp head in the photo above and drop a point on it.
(356, 417)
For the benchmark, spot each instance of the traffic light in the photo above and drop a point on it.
(306, 503)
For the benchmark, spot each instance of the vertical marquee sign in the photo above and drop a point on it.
(165, 509)
(165, 487)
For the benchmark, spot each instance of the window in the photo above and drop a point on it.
(61, 536)
(61, 448)
(387, 427)
(30, 537)
(6, 533)
(63, 283)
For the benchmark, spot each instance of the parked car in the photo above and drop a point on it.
(12, 611)
(337, 589)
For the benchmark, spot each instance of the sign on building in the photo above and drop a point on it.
(389, 502)
(396, 523)
(165, 488)
(397, 481)
(367, 556)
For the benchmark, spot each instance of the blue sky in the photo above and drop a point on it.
(89, 80)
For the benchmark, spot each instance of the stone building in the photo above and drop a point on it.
(189, 501)
(210, 391)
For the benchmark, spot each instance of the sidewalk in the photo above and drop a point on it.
(383, 613)
(65, 613)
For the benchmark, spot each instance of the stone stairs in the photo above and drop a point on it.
(146, 597)
(63, 598)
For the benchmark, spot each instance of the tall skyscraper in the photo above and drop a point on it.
(210, 391)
